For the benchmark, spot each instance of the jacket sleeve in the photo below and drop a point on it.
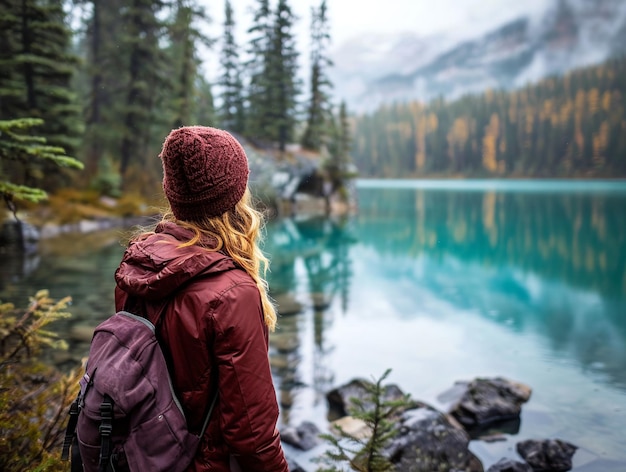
(247, 399)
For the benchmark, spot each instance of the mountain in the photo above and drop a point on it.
(567, 34)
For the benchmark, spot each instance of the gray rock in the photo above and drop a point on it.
(340, 399)
(509, 465)
(285, 341)
(19, 236)
(293, 465)
(320, 300)
(428, 441)
(287, 305)
(304, 437)
(484, 401)
(552, 455)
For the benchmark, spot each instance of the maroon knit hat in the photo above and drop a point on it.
(205, 172)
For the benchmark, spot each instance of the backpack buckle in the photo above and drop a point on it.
(106, 415)
(105, 429)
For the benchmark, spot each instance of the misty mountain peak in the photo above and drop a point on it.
(567, 34)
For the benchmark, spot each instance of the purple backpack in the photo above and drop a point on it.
(126, 415)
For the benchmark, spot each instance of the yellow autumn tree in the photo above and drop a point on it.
(457, 138)
(600, 142)
(490, 138)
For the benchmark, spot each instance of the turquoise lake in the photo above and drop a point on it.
(438, 280)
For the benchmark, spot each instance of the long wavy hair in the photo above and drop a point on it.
(236, 233)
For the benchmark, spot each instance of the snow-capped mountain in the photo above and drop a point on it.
(567, 34)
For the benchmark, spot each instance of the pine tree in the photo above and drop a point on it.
(95, 97)
(37, 69)
(11, 76)
(103, 78)
(147, 79)
(345, 138)
(319, 107)
(339, 162)
(282, 75)
(203, 111)
(185, 38)
(21, 154)
(258, 106)
(366, 454)
(231, 111)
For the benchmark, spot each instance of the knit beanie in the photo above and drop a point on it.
(205, 172)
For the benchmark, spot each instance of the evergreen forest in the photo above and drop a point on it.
(569, 126)
(105, 81)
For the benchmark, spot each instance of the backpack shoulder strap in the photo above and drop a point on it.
(137, 306)
(70, 442)
(71, 429)
(106, 428)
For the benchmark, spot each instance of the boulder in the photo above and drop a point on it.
(483, 401)
(18, 236)
(552, 455)
(304, 436)
(427, 441)
(340, 399)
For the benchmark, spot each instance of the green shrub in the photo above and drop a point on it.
(366, 454)
(34, 397)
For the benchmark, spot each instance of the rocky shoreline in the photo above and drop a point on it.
(430, 440)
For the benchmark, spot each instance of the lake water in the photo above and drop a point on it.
(439, 281)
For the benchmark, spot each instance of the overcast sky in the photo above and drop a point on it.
(352, 18)
(349, 18)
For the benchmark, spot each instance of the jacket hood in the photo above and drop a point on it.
(154, 266)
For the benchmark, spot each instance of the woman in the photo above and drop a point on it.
(200, 270)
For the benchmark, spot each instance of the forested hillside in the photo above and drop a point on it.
(569, 126)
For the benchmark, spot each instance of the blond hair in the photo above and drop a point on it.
(236, 233)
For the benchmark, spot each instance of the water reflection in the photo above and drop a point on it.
(311, 267)
(576, 238)
(551, 263)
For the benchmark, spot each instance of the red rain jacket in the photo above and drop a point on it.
(214, 334)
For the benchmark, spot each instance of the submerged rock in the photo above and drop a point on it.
(321, 301)
(304, 436)
(287, 305)
(509, 465)
(293, 465)
(552, 455)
